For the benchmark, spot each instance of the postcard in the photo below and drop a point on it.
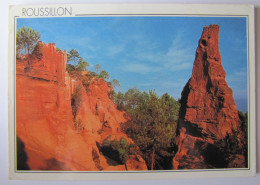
(131, 91)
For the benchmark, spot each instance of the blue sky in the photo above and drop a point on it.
(149, 52)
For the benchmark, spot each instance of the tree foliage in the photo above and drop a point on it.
(244, 132)
(117, 150)
(58, 49)
(97, 68)
(119, 100)
(82, 65)
(243, 120)
(73, 55)
(26, 40)
(79, 64)
(37, 52)
(70, 68)
(115, 83)
(129, 100)
(233, 144)
(104, 74)
(152, 124)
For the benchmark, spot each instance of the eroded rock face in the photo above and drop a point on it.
(208, 113)
(45, 124)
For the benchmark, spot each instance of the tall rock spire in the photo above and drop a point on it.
(208, 114)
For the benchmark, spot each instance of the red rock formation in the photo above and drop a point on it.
(208, 113)
(45, 124)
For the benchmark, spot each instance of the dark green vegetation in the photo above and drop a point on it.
(230, 148)
(104, 74)
(26, 40)
(152, 124)
(97, 68)
(231, 145)
(115, 83)
(119, 151)
(79, 63)
(244, 128)
(73, 55)
(244, 121)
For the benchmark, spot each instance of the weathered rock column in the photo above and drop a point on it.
(208, 111)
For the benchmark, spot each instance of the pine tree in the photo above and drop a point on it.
(73, 55)
(104, 74)
(115, 83)
(82, 65)
(152, 125)
(97, 68)
(26, 40)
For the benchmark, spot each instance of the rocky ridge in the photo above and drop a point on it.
(45, 124)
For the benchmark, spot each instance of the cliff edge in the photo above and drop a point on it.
(50, 136)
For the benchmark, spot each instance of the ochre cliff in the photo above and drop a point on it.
(45, 124)
(208, 114)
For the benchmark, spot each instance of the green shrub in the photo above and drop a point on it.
(123, 155)
(82, 65)
(70, 68)
(123, 143)
(93, 74)
(109, 84)
(115, 145)
(37, 52)
(117, 150)
(58, 49)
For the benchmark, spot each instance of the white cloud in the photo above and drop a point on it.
(178, 56)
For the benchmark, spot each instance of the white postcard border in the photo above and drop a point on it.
(133, 10)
